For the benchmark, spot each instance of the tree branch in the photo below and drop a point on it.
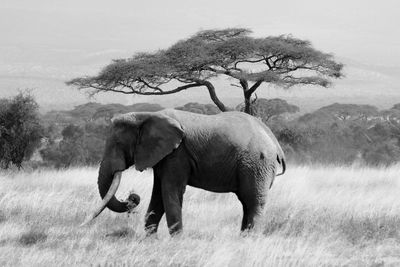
(267, 62)
(161, 92)
(101, 88)
(244, 84)
(247, 61)
(254, 87)
(150, 86)
(235, 85)
(213, 95)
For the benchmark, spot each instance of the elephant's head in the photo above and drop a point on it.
(141, 139)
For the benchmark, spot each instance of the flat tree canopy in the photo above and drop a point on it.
(232, 53)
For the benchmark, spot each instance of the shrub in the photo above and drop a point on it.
(20, 130)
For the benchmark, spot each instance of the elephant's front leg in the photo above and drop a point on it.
(174, 174)
(156, 207)
(172, 195)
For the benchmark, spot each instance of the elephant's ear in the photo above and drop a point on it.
(159, 135)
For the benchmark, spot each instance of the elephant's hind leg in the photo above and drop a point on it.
(252, 193)
(253, 208)
(156, 207)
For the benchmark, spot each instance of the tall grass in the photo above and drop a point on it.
(316, 216)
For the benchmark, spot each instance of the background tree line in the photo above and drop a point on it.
(335, 134)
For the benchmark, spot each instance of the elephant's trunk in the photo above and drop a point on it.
(108, 182)
(106, 178)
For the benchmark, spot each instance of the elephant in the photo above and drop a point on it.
(227, 152)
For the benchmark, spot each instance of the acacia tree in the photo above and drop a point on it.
(231, 53)
(354, 112)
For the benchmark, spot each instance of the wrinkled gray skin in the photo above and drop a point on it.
(228, 152)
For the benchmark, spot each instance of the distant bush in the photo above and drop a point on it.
(194, 107)
(3, 217)
(385, 153)
(80, 145)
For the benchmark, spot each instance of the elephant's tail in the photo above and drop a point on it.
(280, 154)
(283, 164)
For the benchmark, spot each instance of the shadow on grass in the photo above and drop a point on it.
(3, 217)
(280, 220)
(124, 232)
(32, 237)
(357, 230)
(285, 226)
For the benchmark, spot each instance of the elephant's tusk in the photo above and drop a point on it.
(111, 192)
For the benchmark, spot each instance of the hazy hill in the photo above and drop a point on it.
(92, 111)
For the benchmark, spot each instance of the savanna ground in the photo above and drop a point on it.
(316, 216)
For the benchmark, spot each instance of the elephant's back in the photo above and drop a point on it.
(225, 123)
(230, 128)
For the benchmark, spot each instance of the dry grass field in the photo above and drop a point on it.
(317, 216)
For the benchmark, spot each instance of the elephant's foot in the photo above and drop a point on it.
(175, 230)
(151, 229)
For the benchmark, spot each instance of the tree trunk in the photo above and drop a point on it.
(247, 92)
(213, 95)
(247, 103)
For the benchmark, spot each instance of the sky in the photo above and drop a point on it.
(62, 39)
(364, 30)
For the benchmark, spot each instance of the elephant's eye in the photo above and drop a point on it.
(120, 144)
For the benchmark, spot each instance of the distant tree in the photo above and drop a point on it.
(269, 108)
(294, 137)
(382, 153)
(207, 109)
(69, 151)
(85, 111)
(80, 145)
(232, 53)
(72, 132)
(20, 130)
(107, 112)
(345, 112)
(341, 114)
(396, 106)
(392, 117)
(138, 107)
(317, 118)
